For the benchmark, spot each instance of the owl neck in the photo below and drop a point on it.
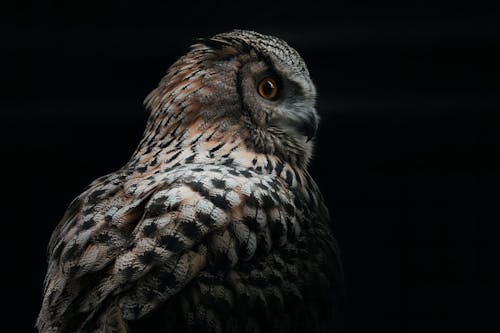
(216, 145)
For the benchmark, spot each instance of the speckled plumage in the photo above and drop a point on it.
(214, 224)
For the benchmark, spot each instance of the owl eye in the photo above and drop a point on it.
(268, 88)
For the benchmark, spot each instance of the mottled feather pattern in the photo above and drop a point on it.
(201, 230)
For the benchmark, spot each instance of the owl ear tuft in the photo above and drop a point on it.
(217, 44)
(222, 47)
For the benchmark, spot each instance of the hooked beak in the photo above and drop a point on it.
(309, 126)
(303, 121)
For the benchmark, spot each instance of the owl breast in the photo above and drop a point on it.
(269, 261)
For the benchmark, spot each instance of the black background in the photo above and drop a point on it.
(406, 152)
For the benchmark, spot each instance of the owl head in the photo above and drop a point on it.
(246, 86)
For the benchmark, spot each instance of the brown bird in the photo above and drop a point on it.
(215, 224)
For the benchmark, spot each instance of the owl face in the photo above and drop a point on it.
(272, 80)
(276, 100)
(254, 85)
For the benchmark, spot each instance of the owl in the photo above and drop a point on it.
(215, 224)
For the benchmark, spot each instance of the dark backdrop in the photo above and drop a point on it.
(405, 156)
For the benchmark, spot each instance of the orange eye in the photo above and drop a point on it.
(268, 88)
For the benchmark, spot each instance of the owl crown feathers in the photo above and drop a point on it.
(243, 41)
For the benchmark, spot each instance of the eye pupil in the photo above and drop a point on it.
(268, 88)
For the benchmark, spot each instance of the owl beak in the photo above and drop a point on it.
(301, 120)
(309, 126)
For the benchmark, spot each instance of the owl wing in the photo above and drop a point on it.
(133, 250)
